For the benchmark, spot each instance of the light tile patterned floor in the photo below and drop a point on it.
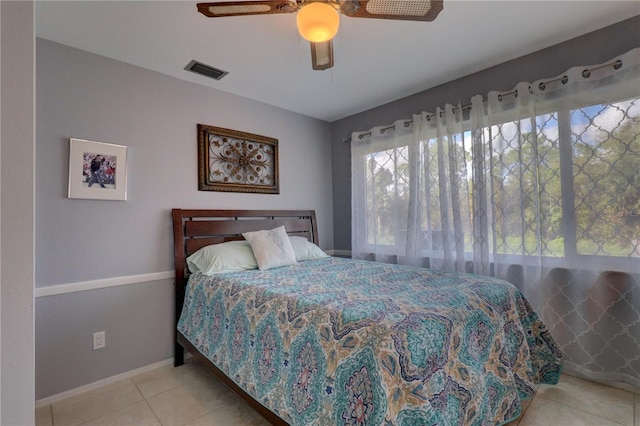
(189, 396)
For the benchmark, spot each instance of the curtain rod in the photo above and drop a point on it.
(586, 73)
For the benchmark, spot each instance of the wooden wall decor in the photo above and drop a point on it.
(235, 161)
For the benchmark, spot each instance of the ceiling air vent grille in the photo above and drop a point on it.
(206, 70)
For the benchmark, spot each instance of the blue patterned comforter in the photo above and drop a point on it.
(339, 341)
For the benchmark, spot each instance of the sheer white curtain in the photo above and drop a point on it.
(540, 186)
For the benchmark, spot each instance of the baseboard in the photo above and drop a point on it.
(339, 253)
(95, 385)
(600, 378)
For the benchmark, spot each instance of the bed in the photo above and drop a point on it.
(341, 341)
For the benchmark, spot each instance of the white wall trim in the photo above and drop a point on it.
(102, 283)
(341, 253)
(95, 385)
(53, 290)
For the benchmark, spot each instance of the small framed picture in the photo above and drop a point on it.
(97, 170)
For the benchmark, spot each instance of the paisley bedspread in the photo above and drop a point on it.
(340, 341)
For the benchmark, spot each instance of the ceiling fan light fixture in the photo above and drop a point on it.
(318, 22)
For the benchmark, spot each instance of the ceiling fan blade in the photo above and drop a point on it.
(322, 55)
(239, 8)
(409, 10)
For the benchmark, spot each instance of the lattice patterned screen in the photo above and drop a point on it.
(569, 192)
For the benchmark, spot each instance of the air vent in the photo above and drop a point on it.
(206, 70)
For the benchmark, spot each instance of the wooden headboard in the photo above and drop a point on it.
(194, 229)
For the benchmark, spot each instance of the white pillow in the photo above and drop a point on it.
(272, 249)
(226, 257)
(306, 250)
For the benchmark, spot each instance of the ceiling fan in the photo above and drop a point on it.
(318, 20)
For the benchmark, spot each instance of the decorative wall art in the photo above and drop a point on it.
(230, 160)
(97, 170)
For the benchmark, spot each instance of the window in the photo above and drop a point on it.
(563, 186)
(605, 144)
(387, 195)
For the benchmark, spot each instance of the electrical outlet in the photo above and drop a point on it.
(99, 340)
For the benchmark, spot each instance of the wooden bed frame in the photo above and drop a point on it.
(194, 229)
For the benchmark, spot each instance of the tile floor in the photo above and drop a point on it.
(190, 396)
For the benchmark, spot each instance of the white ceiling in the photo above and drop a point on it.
(376, 61)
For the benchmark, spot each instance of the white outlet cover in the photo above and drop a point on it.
(99, 340)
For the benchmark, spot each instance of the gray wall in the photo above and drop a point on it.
(86, 96)
(138, 320)
(593, 48)
(16, 212)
